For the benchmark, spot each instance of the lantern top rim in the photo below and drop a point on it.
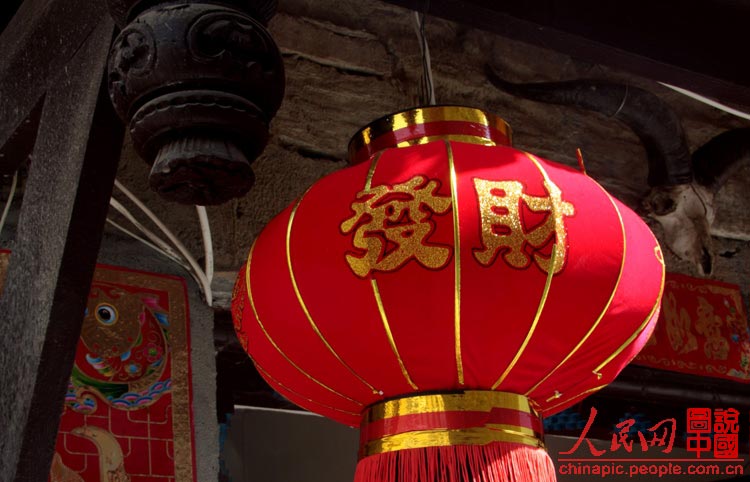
(420, 125)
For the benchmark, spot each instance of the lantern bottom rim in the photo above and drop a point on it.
(471, 417)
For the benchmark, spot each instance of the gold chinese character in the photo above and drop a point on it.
(392, 225)
(504, 229)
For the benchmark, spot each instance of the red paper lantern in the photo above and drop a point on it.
(443, 292)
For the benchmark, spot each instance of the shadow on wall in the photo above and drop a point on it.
(270, 445)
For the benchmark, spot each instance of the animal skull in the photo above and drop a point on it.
(685, 212)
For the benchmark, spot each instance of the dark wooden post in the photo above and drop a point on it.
(60, 228)
(35, 46)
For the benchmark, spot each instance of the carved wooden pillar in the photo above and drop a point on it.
(198, 83)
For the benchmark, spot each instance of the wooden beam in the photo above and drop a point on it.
(694, 45)
(36, 45)
(51, 267)
(676, 389)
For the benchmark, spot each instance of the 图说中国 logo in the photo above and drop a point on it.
(709, 444)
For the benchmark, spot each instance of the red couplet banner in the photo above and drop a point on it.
(702, 330)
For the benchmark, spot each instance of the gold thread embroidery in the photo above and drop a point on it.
(302, 304)
(606, 306)
(271, 340)
(457, 264)
(502, 228)
(391, 225)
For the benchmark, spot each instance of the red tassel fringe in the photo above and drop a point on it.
(495, 462)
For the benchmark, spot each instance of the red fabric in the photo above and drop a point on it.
(640, 280)
(498, 303)
(702, 331)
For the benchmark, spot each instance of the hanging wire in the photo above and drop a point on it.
(708, 101)
(155, 243)
(9, 201)
(182, 256)
(156, 240)
(427, 91)
(179, 254)
(151, 245)
(208, 247)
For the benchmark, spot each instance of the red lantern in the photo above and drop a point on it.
(445, 291)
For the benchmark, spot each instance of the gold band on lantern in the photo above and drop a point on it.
(488, 132)
(447, 438)
(467, 401)
(449, 137)
(448, 434)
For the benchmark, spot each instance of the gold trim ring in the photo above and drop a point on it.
(471, 417)
(426, 124)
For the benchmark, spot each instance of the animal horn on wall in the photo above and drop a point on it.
(681, 206)
(718, 159)
(649, 117)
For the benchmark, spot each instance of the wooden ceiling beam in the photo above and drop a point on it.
(695, 45)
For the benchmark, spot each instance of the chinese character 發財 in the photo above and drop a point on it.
(699, 424)
(503, 225)
(726, 433)
(391, 225)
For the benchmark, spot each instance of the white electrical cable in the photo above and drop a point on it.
(9, 201)
(173, 239)
(149, 244)
(167, 249)
(708, 101)
(208, 247)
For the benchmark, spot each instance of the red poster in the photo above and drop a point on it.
(127, 415)
(702, 330)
